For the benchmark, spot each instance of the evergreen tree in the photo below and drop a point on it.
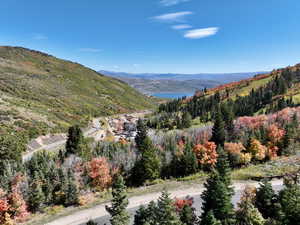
(119, 215)
(91, 222)
(75, 140)
(36, 196)
(146, 215)
(217, 198)
(223, 168)
(186, 120)
(189, 160)
(247, 214)
(210, 219)
(289, 199)
(228, 117)
(218, 130)
(71, 191)
(148, 166)
(141, 135)
(166, 212)
(187, 215)
(265, 200)
(60, 187)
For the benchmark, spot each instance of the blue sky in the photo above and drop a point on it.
(182, 36)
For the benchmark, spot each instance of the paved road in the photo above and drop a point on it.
(99, 213)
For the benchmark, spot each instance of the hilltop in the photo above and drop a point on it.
(40, 93)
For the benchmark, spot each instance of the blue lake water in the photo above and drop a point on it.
(172, 95)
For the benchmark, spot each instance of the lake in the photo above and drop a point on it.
(172, 95)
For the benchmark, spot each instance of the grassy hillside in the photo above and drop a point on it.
(265, 93)
(40, 93)
(244, 87)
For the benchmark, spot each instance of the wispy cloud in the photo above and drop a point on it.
(40, 37)
(201, 33)
(172, 2)
(172, 17)
(91, 50)
(181, 26)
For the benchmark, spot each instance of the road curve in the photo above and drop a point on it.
(99, 213)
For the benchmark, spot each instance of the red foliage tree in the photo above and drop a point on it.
(99, 171)
(206, 153)
(180, 203)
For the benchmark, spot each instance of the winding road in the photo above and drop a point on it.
(99, 214)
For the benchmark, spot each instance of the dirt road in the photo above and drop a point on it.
(99, 213)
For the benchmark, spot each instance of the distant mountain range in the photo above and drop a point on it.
(152, 83)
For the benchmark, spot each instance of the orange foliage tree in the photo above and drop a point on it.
(99, 171)
(257, 150)
(237, 153)
(275, 134)
(206, 154)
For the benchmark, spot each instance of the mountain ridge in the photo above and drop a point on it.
(41, 94)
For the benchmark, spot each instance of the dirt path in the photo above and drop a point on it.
(99, 211)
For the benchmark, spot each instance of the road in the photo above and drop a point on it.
(99, 214)
(88, 132)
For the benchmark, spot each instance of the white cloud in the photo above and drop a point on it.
(201, 33)
(40, 37)
(181, 26)
(172, 17)
(172, 2)
(136, 65)
(91, 50)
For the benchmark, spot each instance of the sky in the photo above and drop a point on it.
(158, 36)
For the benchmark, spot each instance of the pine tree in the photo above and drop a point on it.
(289, 199)
(210, 219)
(228, 116)
(148, 166)
(217, 198)
(91, 222)
(146, 215)
(247, 214)
(141, 135)
(218, 130)
(223, 168)
(119, 215)
(187, 215)
(186, 120)
(189, 161)
(75, 140)
(265, 200)
(71, 191)
(166, 212)
(36, 196)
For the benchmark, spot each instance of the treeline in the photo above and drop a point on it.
(261, 206)
(204, 106)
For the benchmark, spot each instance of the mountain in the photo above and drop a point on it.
(40, 93)
(151, 83)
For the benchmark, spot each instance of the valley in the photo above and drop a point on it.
(163, 85)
